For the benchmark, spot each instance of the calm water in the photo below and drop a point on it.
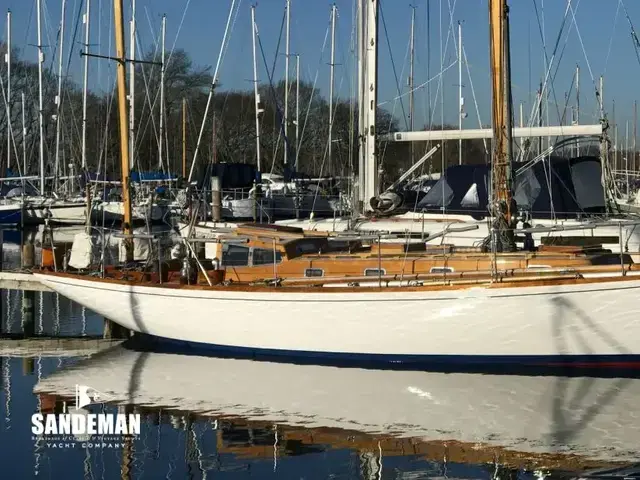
(204, 417)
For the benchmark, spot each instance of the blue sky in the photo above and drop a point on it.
(603, 31)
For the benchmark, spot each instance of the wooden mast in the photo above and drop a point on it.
(123, 127)
(502, 200)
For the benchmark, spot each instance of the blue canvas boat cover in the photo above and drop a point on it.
(557, 187)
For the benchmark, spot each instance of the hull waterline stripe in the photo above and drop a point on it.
(608, 365)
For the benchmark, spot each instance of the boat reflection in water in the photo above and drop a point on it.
(523, 421)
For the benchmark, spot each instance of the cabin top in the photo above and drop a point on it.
(288, 243)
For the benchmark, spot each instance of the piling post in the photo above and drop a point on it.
(28, 365)
(28, 256)
(216, 199)
(1, 249)
(113, 331)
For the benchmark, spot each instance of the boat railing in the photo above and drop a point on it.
(584, 226)
(419, 280)
(456, 278)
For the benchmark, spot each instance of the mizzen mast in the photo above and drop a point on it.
(502, 204)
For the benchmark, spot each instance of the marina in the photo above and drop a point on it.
(238, 242)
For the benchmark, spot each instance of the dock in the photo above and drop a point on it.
(53, 346)
(20, 280)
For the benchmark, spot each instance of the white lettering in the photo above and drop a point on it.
(51, 427)
(36, 421)
(64, 424)
(134, 424)
(105, 424)
(91, 424)
(79, 424)
(121, 425)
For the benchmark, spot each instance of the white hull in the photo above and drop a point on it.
(35, 210)
(68, 213)
(591, 417)
(592, 322)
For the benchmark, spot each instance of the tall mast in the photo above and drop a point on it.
(184, 137)
(615, 137)
(578, 106)
(361, 102)
(162, 72)
(442, 89)
(297, 108)
(40, 96)
(24, 139)
(635, 134)
(331, 82)
(371, 95)
(540, 117)
(460, 99)
(132, 86)
(8, 60)
(85, 84)
(412, 56)
(286, 87)
(59, 96)
(254, 32)
(601, 91)
(501, 161)
(626, 154)
(122, 123)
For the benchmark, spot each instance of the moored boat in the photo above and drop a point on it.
(482, 307)
(283, 293)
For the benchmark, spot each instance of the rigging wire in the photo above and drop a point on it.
(593, 80)
(211, 90)
(399, 97)
(315, 81)
(613, 31)
(549, 62)
(273, 69)
(393, 66)
(475, 100)
(634, 37)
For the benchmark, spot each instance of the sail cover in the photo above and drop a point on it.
(557, 187)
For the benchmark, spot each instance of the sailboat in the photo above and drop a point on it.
(490, 314)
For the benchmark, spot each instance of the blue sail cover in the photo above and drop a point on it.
(137, 177)
(558, 187)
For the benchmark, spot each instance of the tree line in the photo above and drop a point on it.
(229, 134)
